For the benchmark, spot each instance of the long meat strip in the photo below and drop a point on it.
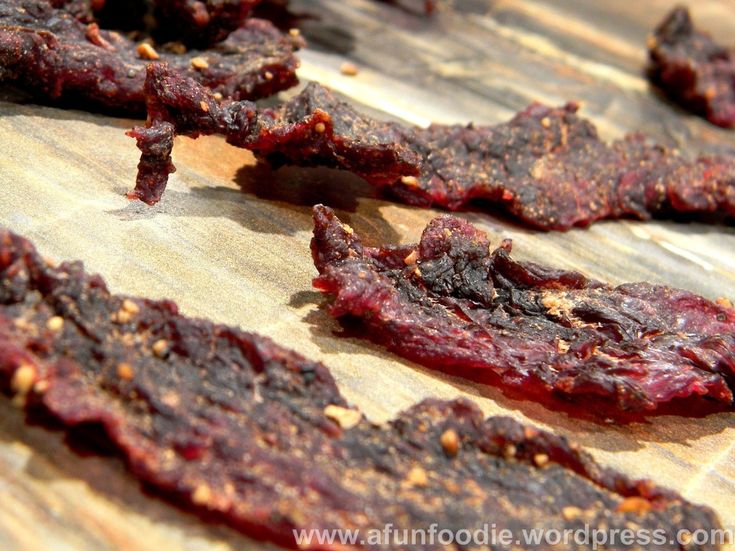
(51, 54)
(692, 69)
(452, 302)
(236, 425)
(546, 166)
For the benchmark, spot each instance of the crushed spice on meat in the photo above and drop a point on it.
(454, 303)
(237, 426)
(547, 166)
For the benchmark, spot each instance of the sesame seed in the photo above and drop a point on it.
(125, 371)
(130, 307)
(541, 459)
(160, 347)
(199, 63)
(348, 69)
(634, 504)
(449, 441)
(344, 417)
(570, 513)
(55, 323)
(146, 51)
(201, 495)
(417, 477)
(22, 380)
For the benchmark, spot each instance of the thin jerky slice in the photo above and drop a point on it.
(692, 69)
(453, 303)
(178, 105)
(50, 54)
(546, 166)
(234, 424)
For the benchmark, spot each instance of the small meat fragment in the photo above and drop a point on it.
(692, 69)
(235, 425)
(52, 55)
(459, 306)
(546, 166)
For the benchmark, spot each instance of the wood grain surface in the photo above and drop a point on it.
(230, 240)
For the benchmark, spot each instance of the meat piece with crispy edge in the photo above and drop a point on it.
(296, 130)
(453, 303)
(546, 166)
(52, 55)
(692, 69)
(240, 427)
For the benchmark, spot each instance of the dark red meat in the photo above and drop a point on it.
(202, 22)
(235, 425)
(692, 69)
(546, 166)
(453, 303)
(83, 10)
(193, 22)
(52, 55)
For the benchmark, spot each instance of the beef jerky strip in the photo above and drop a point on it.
(83, 10)
(202, 22)
(193, 22)
(546, 166)
(50, 54)
(130, 16)
(233, 424)
(178, 105)
(453, 303)
(692, 69)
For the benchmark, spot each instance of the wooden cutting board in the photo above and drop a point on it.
(230, 240)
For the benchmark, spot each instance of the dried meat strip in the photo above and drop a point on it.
(453, 303)
(692, 69)
(50, 54)
(83, 10)
(235, 425)
(193, 22)
(202, 22)
(546, 166)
